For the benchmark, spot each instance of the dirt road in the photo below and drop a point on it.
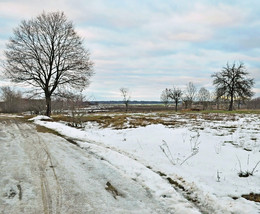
(44, 173)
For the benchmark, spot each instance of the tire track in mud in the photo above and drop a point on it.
(41, 160)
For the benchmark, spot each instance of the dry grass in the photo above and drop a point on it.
(122, 121)
(112, 190)
(46, 130)
(118, 120)
(252, 197)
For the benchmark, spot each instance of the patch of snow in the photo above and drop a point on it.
(40, 117)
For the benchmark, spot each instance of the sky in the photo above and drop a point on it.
(149, 45)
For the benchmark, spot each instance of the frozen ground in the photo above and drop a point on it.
(201, 158)
(187, 168)
(45, 173)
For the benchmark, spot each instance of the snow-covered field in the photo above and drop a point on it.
(200, 159)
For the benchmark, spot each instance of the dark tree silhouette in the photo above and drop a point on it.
(175, 95)
(232, 83)
(47, 53)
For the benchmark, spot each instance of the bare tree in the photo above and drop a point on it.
(47, 53)
(204, 97)
(175, 94)
(74, 103)
(232, 83)
(165, 99)
(12, 100)
(254, 103)
(126, 97)
(190, 95)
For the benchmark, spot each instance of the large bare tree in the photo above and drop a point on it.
(232, 83)
(47, 53)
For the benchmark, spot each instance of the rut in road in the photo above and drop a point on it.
(41, 159)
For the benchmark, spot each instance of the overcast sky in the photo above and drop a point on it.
(150, 45)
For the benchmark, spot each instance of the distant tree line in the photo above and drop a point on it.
(233, 89)
(14, 102)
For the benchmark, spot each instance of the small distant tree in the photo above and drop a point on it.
(175, 94)
(165, 99)
(46, 53)
(204, 97)
(232, 83)
(126, 97)
(190, 95)
(74, 103)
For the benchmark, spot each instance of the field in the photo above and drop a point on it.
(212, 159)
(135, 162)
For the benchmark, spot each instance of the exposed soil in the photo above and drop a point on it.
(252, 197)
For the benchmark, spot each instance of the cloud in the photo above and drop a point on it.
(150, 45)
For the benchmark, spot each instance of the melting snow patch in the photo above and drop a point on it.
(40, 117)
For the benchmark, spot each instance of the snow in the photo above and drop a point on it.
(40, 117)
(203, 155)
(44, 173)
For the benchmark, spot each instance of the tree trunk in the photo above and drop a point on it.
(176, 106)
(126, 107)
(217, 102)
(231, 104)
(48, 105)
